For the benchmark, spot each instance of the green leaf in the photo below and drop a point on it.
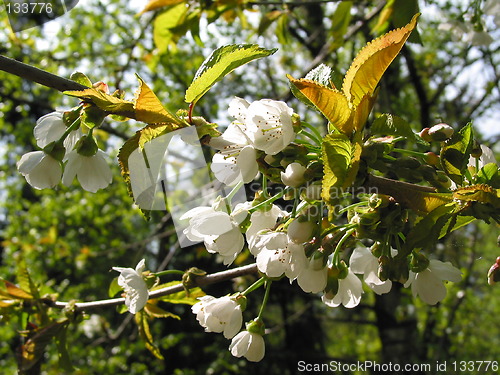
(114, 288)
(267, 19)
(337, 154)
(81, 78)
(387, 124)
(455, 222)
(62, 348)
(221, 62)
(489, 174)
(181, 297)
(141, 318)
(456, 152)
(428, 230)
(165, 23)
(105, 102)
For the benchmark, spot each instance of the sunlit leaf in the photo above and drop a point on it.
(148, 107)
(372, 61)
(388, 124)
(456, 152)
(181, 297)
(337, 153)
(105, 102)
(221, 62)
(481, 193)
(156, 4)
(165, 23)
(331, 103)
(81, 78)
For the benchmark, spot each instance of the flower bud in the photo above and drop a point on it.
(419, 262)
(494, 273)
(441, 132)
(424, 134)
(293, 175)
(312, 192)
(431, 158)
(301, 230)
(256, 326)
(476, 151)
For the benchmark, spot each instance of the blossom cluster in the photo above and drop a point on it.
(66, 153)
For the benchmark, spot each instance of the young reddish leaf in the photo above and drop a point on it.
(148, 107)
(34, 348)
(331, 103)
(16, 292)
(372, 61)
(156, 4)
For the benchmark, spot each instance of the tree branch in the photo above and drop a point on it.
(199, 281)
(40, 76)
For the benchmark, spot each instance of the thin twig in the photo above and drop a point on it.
(200, 281)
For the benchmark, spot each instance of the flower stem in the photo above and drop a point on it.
(234, 191)
(409, 152)
(270, 200)
(364, 203)
(266, 298)
(344, 238)
(315, 131)
(311, 136)
(169, 272)
(254, 286)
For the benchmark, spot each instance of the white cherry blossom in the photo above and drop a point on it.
(363, 262)
(269, 124)
(92, 172)
(217, 229)
(428, 284)
(249, 345)
(279, 255)
(262, 220)
(219, 315)
(49, 128)
(313, 277)
(293, 175)
(348, 294)
(41, 170)
(134, 286)
(236, 159)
